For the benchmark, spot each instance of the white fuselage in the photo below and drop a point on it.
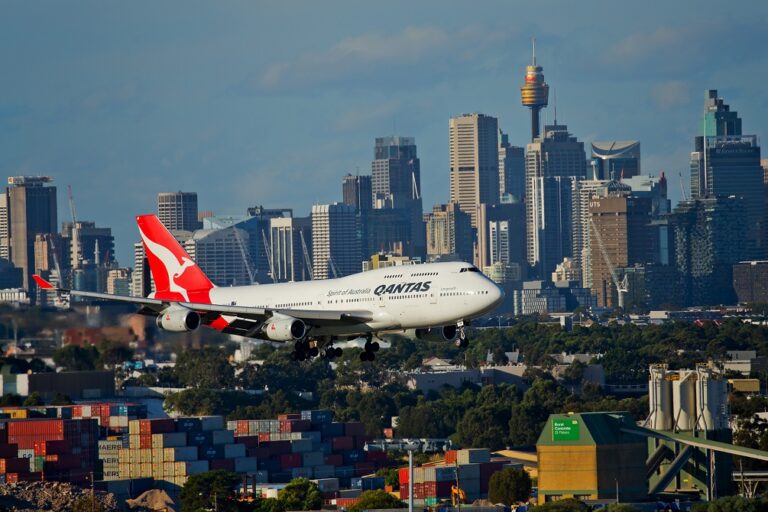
(402, 297)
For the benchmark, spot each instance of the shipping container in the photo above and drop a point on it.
(245, 464)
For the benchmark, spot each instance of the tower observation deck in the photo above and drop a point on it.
(534, 93)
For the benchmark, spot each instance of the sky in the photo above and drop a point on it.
(272, 102)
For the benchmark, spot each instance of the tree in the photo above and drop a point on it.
(509, 486)
(112, 354)
(621, 507)
(391, 477)
(74, 358)
(377, 499)
(205, 368)
(10, 399)
(33, 399)
(209, 490)
(300, 494)
(61, 399)
(566, 505)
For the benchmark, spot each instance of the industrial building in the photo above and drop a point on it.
(588, 456)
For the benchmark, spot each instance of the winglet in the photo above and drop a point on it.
(42, 283)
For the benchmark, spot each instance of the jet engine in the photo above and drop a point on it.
(444, 333)
(178, 319)
(284, 328)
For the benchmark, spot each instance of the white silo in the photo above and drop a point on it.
(711, 400)
(684, 400)
(659, 398)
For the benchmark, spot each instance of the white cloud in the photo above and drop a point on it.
(363, 117)
(379, 55)
(670, 94)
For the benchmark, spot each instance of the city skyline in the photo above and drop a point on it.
(260, 104)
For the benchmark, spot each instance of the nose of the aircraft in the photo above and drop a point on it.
(495, 294)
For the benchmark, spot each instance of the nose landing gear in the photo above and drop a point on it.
(462, 341)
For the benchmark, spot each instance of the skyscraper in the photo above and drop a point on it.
(553, 163)
(291, 247)
(31, 210)
(449, 233)
(501, 237)
(616, 159)
(335, 241)
(357, 191)
(709, 237)
(219, 254)
(474, 156)
(622, 222)
(396, 184)
(726, 163)
(178, 210)
(511, 169)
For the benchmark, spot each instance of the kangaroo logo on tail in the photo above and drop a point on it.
(173, 277)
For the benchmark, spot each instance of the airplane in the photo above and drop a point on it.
(431, 301)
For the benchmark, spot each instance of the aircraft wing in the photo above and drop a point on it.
(246, 321)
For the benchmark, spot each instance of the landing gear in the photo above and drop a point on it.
(462, 341)
(303, 349)
(331, 352)
(370, 348)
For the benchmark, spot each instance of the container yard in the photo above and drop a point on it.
(469, 469)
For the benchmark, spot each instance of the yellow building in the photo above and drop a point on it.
(587, 456)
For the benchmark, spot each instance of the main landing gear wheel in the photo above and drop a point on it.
(302, 351)
(369, 349)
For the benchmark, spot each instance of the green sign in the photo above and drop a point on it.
(566, 429)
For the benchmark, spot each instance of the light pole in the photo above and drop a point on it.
(410, 448)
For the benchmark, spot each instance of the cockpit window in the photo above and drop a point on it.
(470, 269)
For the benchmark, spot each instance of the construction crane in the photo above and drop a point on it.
(59, 301)
(307, 259)
(244, 255)
(682, 187)
(270, 260)
(622, 286)
(332, 267)
(75, 231)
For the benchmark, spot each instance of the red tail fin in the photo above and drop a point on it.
(176, 276)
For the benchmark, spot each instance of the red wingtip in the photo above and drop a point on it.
(42, 283)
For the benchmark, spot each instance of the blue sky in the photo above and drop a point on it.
(273, 102)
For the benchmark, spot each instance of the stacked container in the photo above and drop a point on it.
(109, 415)
(433, 484)
(54, 449)
(171, 450)
(309, 444)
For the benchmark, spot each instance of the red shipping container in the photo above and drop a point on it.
(354, 428)
(451, 456)
(264, 437)
(403, 492)
(389, 433)
(289, 416)
(241, 428)
(402, 475)
(145, 440)
(226, 464)
(35, 427)
(346, 502)
(342, 443)
(77, 411)
(291, 460)
(11, 478)
(334, 459)
(14, 465)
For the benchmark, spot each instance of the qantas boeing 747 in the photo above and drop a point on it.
(429, 301)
